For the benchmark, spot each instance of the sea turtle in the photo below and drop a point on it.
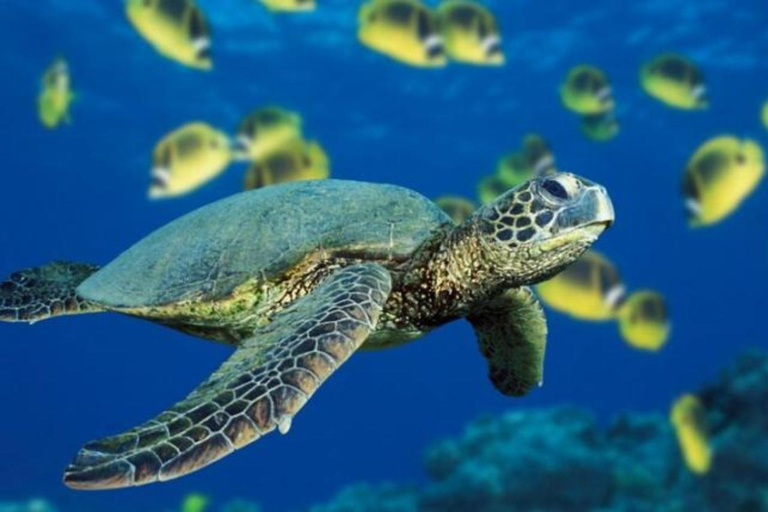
(298, 277)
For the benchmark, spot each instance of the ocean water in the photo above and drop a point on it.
(79, 193)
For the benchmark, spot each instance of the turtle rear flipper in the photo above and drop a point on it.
(512, 333)
(261, 387)
(35, 294)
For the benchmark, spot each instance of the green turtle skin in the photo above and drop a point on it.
(300, 276)
(262, 235)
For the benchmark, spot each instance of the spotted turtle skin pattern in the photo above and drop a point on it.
(520, 221)
(39, 293)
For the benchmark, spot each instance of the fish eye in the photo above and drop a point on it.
(555, 189)
(741, 159)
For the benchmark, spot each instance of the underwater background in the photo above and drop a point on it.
(79, 193)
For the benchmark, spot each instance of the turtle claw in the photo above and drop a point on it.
(285, 425)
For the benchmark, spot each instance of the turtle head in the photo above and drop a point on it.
(534, 231)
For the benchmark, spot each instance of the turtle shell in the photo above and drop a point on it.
(262, 234)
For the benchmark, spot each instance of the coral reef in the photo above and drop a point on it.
(240, 506)
(35, 505)
(561, 459)
(382, 498)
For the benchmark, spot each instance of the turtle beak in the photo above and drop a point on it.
(605, 212)
(602, 208)
(593, 211)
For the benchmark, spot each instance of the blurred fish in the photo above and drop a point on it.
(764, 114)
(589, 289)
(405, 30)
(188, 158)
(34, 505)
(457, 208)
(719, 177)
(513, 169)
(56, 95)
(586, 90)
(470, 32)
(195, 503)
(289, 5)
(534, 158)
(296, 161)
(238, 505)
(688, 418)
(644, 321)
(491, 187)
(675, 81)
(265, 130)
(600, 127)
(537, 153)
(176, 28)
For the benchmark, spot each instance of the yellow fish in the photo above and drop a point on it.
(296, 161)
(188, 158)
(176, 28)
(764, 114)
(470, 32)
(586, 90)
(458, 208)
(404, 30)
(265, 131)
(675, 81)
(720, 176)
(589, 289)
(600, 127)
(689, 420)
(195, 503)
(491, 187)
(535, 158)
(56, 95)
(644, 321)
(289, 5)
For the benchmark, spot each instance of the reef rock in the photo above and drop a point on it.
(36, 505)
(561, 460)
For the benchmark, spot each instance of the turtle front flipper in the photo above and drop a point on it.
(35, 294)
(512, 333)
(259, 388)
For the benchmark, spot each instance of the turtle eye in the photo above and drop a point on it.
(555, 189)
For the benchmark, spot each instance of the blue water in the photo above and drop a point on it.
(79, 193)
